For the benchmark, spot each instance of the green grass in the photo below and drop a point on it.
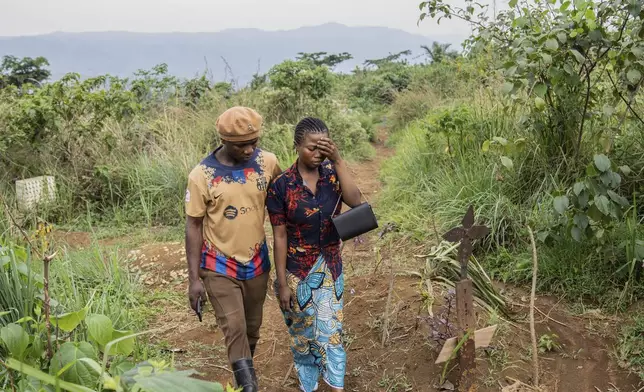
(428, 189)
(18, 283)
(134, 172)
(630, 348)
(422, 183)
(98, 277)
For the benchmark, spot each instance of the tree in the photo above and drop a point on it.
(16, 72)
(578, 66)
(324, 59)
(259, 81)
(392, 58)
(194, 89)
(439, 52)
(302, 78)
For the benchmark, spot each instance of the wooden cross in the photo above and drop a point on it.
(465, 304)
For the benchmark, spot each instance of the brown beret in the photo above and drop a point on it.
(239, 124)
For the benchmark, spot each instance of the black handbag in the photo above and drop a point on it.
(357, 221)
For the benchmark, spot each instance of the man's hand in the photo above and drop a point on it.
(286, 298)
(194, 242)
(196, 293)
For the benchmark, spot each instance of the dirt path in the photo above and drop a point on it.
(406, 363)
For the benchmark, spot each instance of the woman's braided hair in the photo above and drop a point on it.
(308, 125)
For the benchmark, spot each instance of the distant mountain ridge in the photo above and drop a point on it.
(188, 54)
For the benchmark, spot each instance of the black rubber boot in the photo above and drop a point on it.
(245, 377)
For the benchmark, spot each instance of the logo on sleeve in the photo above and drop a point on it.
(230, 212)
(187, 196)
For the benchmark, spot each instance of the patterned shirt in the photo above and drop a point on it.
(310, 230)
(232, 202)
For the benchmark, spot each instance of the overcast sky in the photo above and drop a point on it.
(27, 17)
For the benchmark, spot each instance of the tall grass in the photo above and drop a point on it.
(134, 172)
(96, 278)
(630, 350)
(426, 183)
(18, 283)
(440, 169)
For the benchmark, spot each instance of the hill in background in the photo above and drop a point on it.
(189, 54)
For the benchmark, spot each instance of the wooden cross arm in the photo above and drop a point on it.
(482, 338)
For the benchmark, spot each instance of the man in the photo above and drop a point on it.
(225, 239)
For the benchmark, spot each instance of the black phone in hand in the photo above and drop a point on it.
(199, 313)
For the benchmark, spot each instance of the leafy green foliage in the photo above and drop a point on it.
(15, 340)
(67, 364)
(567, 77)
(196, 89)
(380, 86)
(442, 266)
(124, 343)
(69, 321)
(438, 52)
(324, 59)
(558, 63)
(149, 376)
(74, 365)
(100, 329)
(424, 184)
(302, 78)
(392, 58)
(152, 376)
(17, 72)
(506, 149)
(591, 205)
(548, 343)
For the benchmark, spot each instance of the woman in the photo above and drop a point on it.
(310, 283)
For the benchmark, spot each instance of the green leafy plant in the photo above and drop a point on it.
(148, 376)
(303, 78)
(324, 59)
(18, 72)
(439, 52)
(548, 343)
(442, 268)
(454, 125)
(72, 363)
(506, 149)
(571, 65)
(590, 206)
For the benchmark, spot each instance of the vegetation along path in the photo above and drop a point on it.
(576, 349)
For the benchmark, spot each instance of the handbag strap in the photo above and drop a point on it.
(340, 198)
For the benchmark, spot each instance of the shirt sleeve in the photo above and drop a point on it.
(334, 180)
(275, 203)
(276, 170)
(197, 195)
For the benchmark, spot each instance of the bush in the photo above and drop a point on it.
(472, 152)
(112, 143)
(431, 185)
(411, 105)
(372, 88)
